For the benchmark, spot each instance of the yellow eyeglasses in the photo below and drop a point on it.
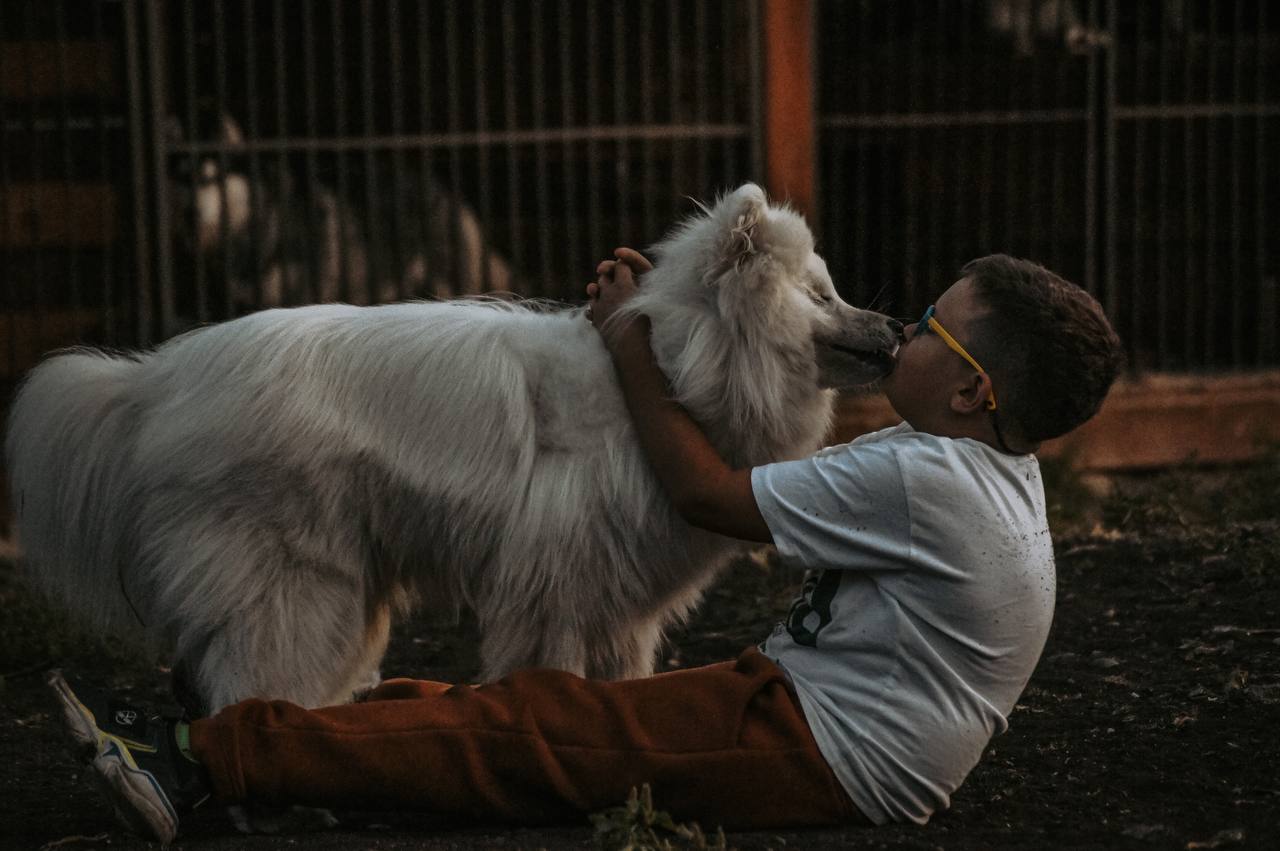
(927, 323)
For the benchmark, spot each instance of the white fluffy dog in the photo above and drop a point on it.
(261, 497)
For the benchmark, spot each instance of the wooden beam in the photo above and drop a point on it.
(56, 214)
(1147, 423)
(35, 70)
(788, 109)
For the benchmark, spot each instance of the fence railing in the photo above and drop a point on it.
(240, 154)
(164, 164)
(1128, 146)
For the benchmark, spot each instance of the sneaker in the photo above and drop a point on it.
(135, 756)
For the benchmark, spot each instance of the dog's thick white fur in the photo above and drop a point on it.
(261, 497)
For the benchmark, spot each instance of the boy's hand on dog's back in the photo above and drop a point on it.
(614, 285)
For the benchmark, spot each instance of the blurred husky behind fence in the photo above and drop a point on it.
(257, 237)
(260, 498)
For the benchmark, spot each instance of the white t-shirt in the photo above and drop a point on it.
(929, 600)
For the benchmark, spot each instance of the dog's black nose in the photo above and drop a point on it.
(896, 327)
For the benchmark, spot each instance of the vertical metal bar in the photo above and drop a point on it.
(109, 213)
(283, 270)
(194, 166)
(620, 101)
(1063, 97)
(889, 181)
(509, 122)
(1189, 288)
(649, 219)
(1236, 273)
(426, 178)
(676, 100)
(156, 70)
(1033, 138)
(577, 260)
(1138, 332)
(399, 260)
(909, 225)
(1091, 178)
(257, 211)
(541, 165)
(1209, 215)
(961, 217)
(230, 274)
(755, 95)
(1008, 151)
(36, 235)
(480, 67)
(1267, 332)
(1111, 215)
(341, 204)
(861, 243)
(137, 145)
(319, 244)
(594, 205)
(64, 131)
(1163, 248)
(375, 243)
(936, 148)
(6, 233)
(701, 97)
(728, 91)
(986, 173)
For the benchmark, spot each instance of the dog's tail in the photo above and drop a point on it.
(68, 453)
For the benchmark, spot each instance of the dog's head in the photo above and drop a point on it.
(749, 269)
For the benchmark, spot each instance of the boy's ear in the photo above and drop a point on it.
(971, 396)
(741, 238)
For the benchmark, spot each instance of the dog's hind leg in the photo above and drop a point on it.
(295, 636)
(512, 640)
(297, 640)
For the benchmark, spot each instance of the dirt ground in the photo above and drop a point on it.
(1151, 721)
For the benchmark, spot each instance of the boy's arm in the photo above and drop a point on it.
(706, 491)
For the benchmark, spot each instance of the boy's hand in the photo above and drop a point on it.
(614, 285)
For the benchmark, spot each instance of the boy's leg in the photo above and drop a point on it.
(726, 744)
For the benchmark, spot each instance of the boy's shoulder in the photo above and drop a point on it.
(957, 465)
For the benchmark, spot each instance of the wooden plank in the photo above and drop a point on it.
(1147, 423)
(33, 70)
(788, 109)
(57, 214)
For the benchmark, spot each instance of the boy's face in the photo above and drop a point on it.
(928, 372)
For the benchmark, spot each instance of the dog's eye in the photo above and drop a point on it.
(820, 298)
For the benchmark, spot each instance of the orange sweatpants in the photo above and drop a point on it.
(725, 744)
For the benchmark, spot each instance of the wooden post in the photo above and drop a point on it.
(788, 103)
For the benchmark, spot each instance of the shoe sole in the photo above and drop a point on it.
(78, 722)
(137, 799)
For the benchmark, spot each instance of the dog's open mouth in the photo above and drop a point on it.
(883, 360)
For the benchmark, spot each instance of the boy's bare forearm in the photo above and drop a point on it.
(707, 492)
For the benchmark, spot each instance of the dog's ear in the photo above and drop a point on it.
(740, 218)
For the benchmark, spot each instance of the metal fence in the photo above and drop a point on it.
(164, 164)
(171, 163)
(1128, 145)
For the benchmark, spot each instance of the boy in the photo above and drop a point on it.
(928, 601)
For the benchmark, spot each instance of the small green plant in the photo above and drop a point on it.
(637, 826)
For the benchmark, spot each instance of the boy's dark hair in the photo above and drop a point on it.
(1051, 352)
